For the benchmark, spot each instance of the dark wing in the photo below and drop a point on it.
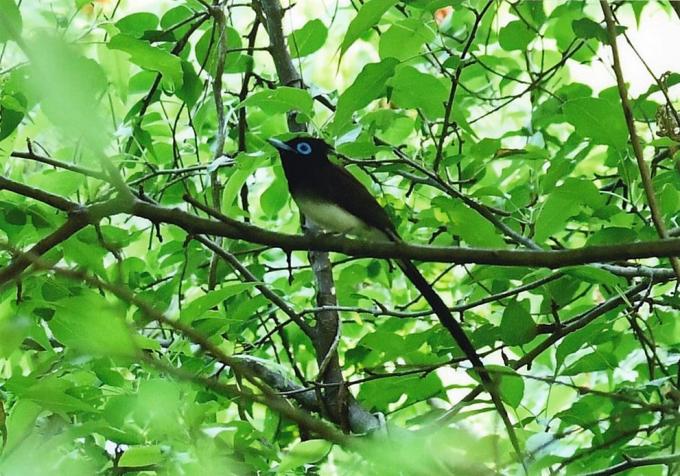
(350, 194)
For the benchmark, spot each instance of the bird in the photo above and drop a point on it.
(335, 200)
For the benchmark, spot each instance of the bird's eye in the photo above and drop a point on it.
(304, 148)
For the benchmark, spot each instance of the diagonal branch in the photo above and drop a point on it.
(634, 139)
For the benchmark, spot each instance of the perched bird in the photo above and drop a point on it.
(336, 201)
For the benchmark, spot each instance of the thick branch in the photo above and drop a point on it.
(548, 259)
(50, 199)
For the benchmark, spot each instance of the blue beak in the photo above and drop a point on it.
(280, 145)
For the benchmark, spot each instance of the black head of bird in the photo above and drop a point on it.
(327, 194)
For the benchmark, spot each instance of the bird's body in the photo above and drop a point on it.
(336, 201)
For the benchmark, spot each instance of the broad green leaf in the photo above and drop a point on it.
(206, 51)
(246, 166)
(511, 384)
(404, 39)
(92, 326)
(20, 422)
(570, 344)
(149, 57)
(192, 86)
(200, 305)
(10, 21)
(12, 109)
(70, 88)
(563, 203)
(281, 100)
(517, 326)
(175, 15)
(137, 23)
(13, 328)
(467, 223)
(308, 39)
(305, 452)
(587, 29)
(516, 35)
(594, 275)
(369, 15)
(55, 394)
(593, 362)
(276, 195)
(612, 235)
(599, 120)
(136, 456)
(369, 85)
(414, 89)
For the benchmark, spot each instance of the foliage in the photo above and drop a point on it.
(147, 346)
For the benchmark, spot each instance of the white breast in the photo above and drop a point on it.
(332, 218)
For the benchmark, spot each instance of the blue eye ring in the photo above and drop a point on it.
(303, 148)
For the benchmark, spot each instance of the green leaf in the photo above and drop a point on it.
(510, 384)
(369, 15)
(573, 342)
(516, 35)
(467, 223)
(404, 39)
(175, 16)
(612, 235)
(414, 89)
(14, 328)
(598, 119)
(517, 327)
(192, 86)
(70, 87)
(563, 203)
(587, 29)
(137, 456)
(369, 85)
(90, 325)
(149, 57)
(281, 100)
(20, 422)
(206, 52)
(12, 110)
(137, 23)
(593, 362)
(200, 305)
(276, 195)
(305, 452)
(10, 21)
(590, 274)
(308, 39)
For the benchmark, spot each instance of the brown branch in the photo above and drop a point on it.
(50, 199)
(220, 25)
(62, 165)
(72, 226)
(634, 139)
(631, 463)
(454, 84)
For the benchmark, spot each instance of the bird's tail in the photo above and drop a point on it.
(444, 316)
(456, 330)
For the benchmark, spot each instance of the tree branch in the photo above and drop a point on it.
(631, 463)
(634, 139)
